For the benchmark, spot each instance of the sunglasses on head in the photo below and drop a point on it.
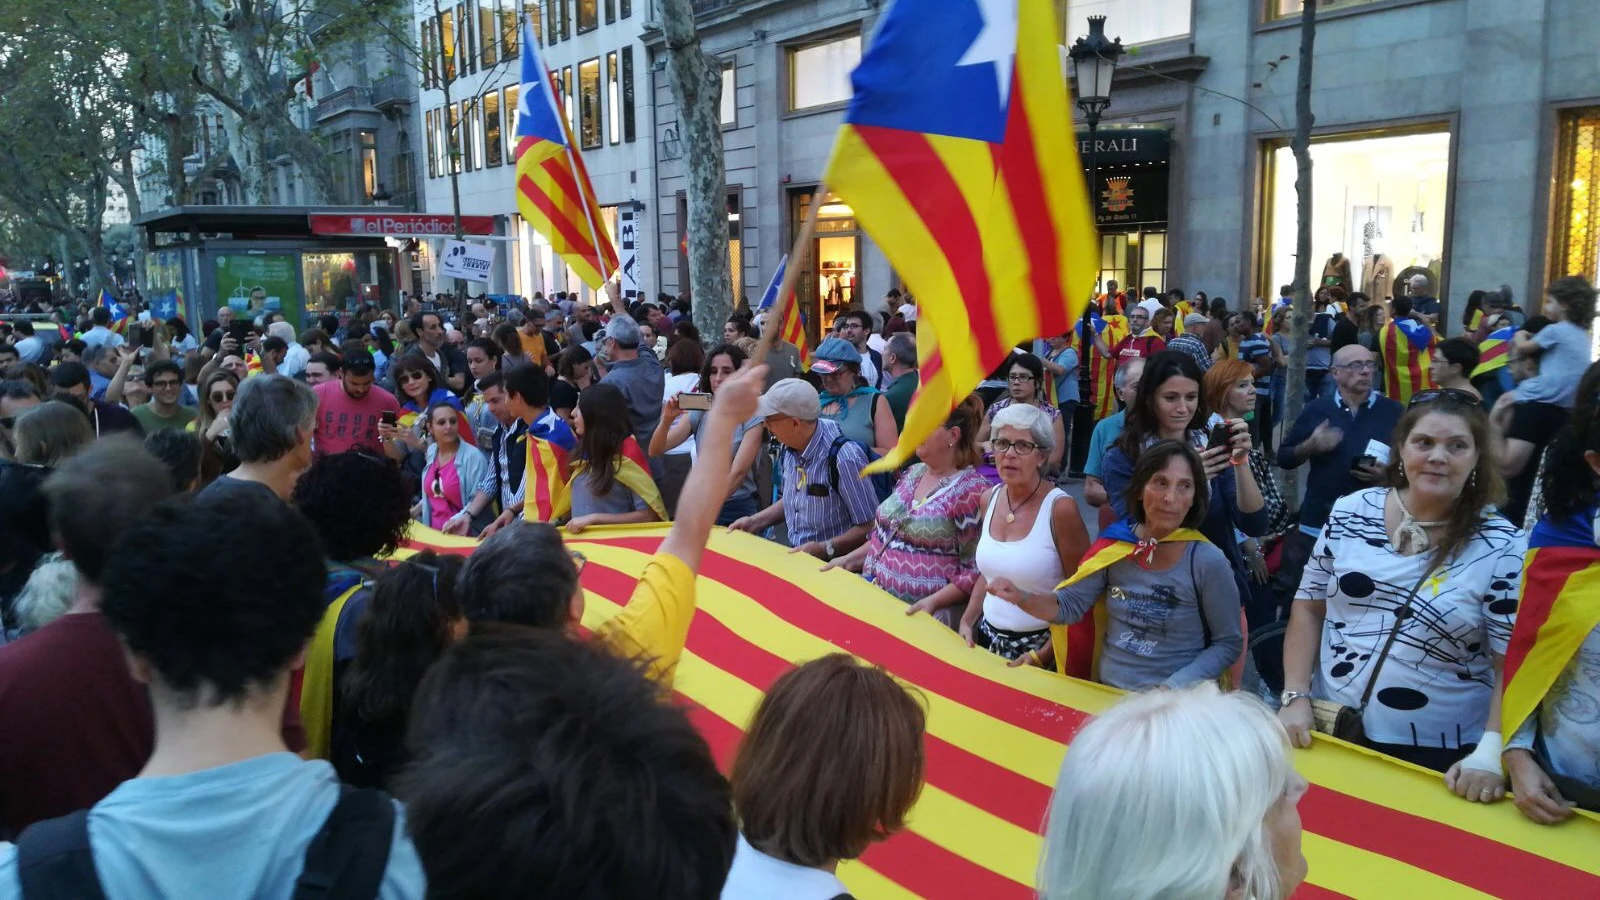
(1448, 395)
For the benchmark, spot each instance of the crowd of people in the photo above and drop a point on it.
(196, 532)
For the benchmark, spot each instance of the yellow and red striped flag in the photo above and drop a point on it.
(1558, 609)
(553, 190)
(547, 493)
(996, 736)
(1102, 389)
(1407, 347)
(958, 156)
(791, 324)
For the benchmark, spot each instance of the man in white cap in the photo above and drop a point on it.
(826, 506)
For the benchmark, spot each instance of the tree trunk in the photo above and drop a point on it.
(696, 83)
(1300, 321)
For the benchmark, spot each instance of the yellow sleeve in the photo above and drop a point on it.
(655, 624)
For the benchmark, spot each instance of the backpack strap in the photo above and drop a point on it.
(833, 461)
(54, 861)
(348, 856)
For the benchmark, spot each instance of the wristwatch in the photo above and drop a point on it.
(828, 549)
(1288, 697)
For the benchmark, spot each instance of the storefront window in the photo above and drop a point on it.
(827, 285)
(1135, 21)
(1576, 234)
(589, 114)
(339, 282)
(819, 74)
(1378, 211)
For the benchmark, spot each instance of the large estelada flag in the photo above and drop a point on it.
(553, 190)
(119, 316)
(1102, 389)
(1407, 348)
(1375, 829)
(958, 156)
(791, 325)
(1494, 351)
(1558, 609)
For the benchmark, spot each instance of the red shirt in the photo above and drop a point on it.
(344, 423)
(1141, 347)
(73, 723)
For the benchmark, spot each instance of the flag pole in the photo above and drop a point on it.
(791, 274)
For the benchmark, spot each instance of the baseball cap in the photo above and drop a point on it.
(834, 354)
(1194, 320)
(791, 397)
(908, 311)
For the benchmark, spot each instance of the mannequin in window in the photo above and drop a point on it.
(1377, 279)
(1336, 273)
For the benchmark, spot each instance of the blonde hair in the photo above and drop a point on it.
(1166, 795)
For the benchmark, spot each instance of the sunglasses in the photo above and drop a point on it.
(165, 383)
(221, 396)
(413, 376)
(1449, 395)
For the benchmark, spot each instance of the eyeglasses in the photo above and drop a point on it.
(221, 396)
(409, 377)
(1021, 448)
(165, 383)
(1449, 395)
(578, 560)
(1019, 377)
(1366, 366)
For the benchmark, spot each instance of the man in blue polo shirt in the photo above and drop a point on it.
(1336, 435)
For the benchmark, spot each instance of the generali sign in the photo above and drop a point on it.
(400, 225)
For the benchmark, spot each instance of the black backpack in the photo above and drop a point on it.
(882, 483)
(345, 860)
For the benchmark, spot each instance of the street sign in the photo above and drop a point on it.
(400, 224)
(467, 261)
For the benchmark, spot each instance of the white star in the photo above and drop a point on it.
(996, 43)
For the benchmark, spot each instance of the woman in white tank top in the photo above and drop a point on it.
(1032, 535)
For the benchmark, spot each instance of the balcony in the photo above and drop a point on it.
(392, 92)
(342, 101)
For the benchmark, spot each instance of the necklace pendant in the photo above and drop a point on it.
(1011, 517)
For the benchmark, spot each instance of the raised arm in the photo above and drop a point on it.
(707, 484)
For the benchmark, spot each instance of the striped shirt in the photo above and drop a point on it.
(1252, 350)
(812, 509)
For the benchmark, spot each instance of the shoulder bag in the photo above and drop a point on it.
(1344, 722)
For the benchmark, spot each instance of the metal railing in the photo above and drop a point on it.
(342, 100)
(392, 89)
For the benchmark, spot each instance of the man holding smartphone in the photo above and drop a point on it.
(350, 409)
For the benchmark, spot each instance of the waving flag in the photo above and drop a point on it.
(958, 156)
(1558, 610)
(119, 316)
(1102, 390)
(1407, 347)
(553, 190)
(791, 326)
(1494, 351)
(996, 737)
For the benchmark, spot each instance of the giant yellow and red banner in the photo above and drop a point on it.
(1374, 828)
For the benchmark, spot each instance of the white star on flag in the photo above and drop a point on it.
(996, 43)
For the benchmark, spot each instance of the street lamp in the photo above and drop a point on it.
(1094, 62)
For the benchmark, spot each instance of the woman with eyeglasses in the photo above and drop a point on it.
(452, 469)
(1025, 386)
(411, 618)
(217, 391)
(861, 410)
(419, 387)
(1406, 606)
(1032, 536)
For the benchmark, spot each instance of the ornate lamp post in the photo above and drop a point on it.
(1094, 62)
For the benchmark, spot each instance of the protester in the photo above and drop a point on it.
(446, 359)
(181, 452)
(17, 396)
(50, 763)
(1422, 563)
(1230, 394)
(684, 360)
(45, 436)
(1255, 348)
(272, 422)
(46, 596)
(638, 377)
(502, 485)
(1171, 603)
(1453, 362)
(163, 411)
(607, 487)
(295, 354)
(826, 506)
(854, 327)
(1126, 380)
(1553, 753)
(804, 804)
(1025, 386)
(101, 334)
(420, 390)
(217, 663)
(925, 537)
(1060, 360)
(1038, 544)
(1140, 342)
(676, 427)
(900, 375)
(524, 575)
(574, 374)
(513, 733)
(214, 425)
(860, 410)
(453, 469)
(349, 413)
(1186, 793)
(73, 379)
(321, 368)
(411, 618)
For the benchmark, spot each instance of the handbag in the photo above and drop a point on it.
(1344, 722)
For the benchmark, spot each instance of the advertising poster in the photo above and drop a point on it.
(254, 283)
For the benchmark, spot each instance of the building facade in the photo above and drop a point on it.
(467, 114)
(1459, 139)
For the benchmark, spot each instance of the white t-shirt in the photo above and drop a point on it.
(1435, 688)
(672, 387)
(757, 876)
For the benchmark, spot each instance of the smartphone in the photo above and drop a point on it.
(693, 401)
(1361, 461)
(240, 332)
(1221, 436)
(389, 417)
(147, 336)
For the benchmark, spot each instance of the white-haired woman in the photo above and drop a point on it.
(1186, 793)
(1032, 536)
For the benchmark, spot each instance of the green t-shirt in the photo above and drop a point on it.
(152, 423)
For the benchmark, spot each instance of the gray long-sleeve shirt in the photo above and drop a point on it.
(1155, 634)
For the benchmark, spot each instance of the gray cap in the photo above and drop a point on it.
(791, 397)
(1195, 320)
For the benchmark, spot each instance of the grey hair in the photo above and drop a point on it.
(625, 331)
(282, 330)
(48, 593)
(1166, 794)
(904, 348)
(1029, 418)
(268, 416)
(94, 353)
